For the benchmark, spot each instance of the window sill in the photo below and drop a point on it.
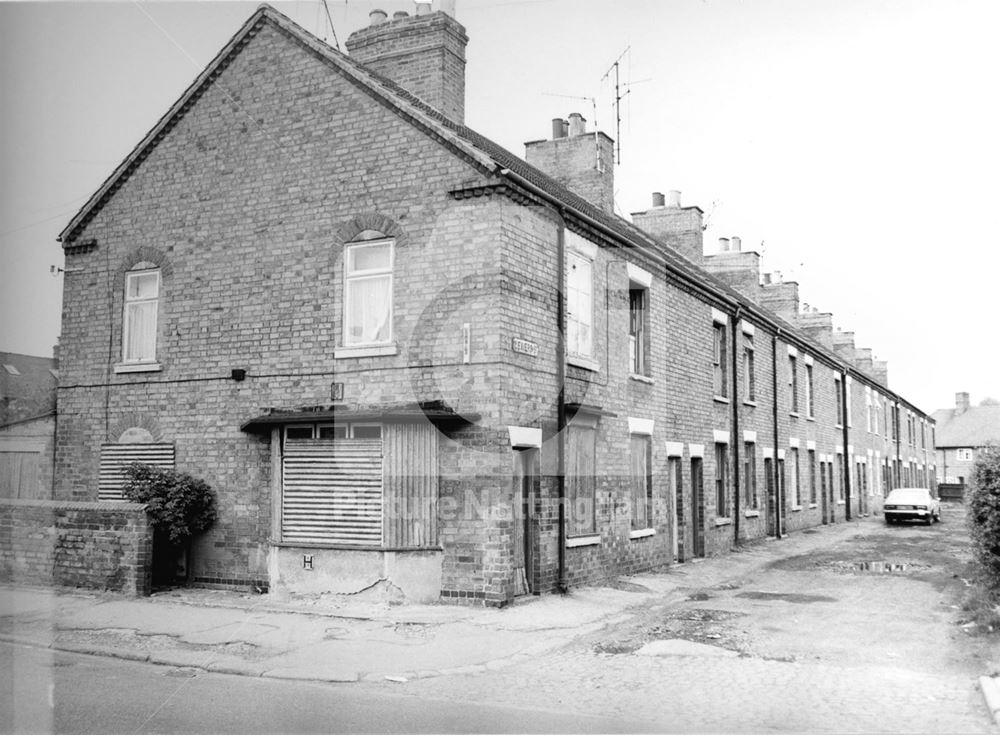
(752, 404)
(810, 418)
(348, 547)
(794, 414)
(365, 351)
(720, 399)
(840, 502)
(642, 533)
(751, 514)
(796, 508)
(812, 505)
(137, 367)
(587, 363)
(582, 541)
(641, 378)
(723, 521)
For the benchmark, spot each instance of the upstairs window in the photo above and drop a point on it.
(368, 293)
(142, 301)
(810, 399)
(637, 311)
(839, 399)
(793, 381)
(749, 377)
(719, 352)
(579, 305)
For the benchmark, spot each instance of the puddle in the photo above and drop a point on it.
(699, 597)
(787, 597)
(878, 567)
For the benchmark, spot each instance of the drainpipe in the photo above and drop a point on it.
(847, 455)
(561, 399)
(774, 424)
(735, 423)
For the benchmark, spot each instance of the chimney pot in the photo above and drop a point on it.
(658, 200)
(675, 199)
(446, 6)
(577, 124)
(961, 402)
(558, 128)
(767, 279)
(736, 244)
(723, 244)
(400, 14)
(423, 8)
(776, 277)
(376, 17)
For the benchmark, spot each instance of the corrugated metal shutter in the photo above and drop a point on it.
(332, 491)
(116, 457)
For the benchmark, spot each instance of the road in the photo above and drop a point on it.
(857, 630)
(48, 691)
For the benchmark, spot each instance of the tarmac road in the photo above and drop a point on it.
(46, 691)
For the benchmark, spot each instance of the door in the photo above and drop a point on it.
(525, 480)
(825, 499)
(781, 496)
(772, 501)
(697, 508)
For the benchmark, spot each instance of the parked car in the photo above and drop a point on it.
(907, 503)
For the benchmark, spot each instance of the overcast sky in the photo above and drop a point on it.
(855, 143)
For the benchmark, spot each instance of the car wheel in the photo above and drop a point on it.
(930, 519)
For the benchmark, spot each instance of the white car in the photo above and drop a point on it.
(907, 503)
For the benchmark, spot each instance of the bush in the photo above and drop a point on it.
(179, 505)
(984, 514)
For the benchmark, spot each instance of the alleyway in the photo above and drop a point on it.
(861, 635)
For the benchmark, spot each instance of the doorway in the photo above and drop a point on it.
(697, 508)
(772, 502)
(525, 492)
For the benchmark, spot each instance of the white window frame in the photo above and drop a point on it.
(352, 277)
(128, 359)
(579, 348)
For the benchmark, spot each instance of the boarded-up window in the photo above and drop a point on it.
(581, 453)
(115, 458)
(332, 491)
(642, 482)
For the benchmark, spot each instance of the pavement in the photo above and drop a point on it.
(368, 638)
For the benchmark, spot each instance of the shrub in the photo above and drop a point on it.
(984, 514)
(179, 505)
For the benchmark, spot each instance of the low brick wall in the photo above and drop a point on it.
(103, 546)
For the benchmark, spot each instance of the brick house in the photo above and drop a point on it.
(404, 356)
(962, 432)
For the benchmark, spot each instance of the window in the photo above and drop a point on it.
(923, 435)
(868, 409)
(823, 470)
(142, 298)
(115, 459)
(581, 469)
(722, 480)
(750, 475)
(637, 316)
(719, 360)
(749, 378)
(781, 481)
(796, 478)
(642, 481)
(842, 468)
(837, 389)
(963, 455)
(368, 293)
(579, 305)
(810, 400)
(812, 477)
(793, 381)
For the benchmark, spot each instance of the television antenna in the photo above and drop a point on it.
(619, 96)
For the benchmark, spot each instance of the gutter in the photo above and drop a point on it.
(774, 424)
(736, 436)
(847, 456)
(562, 585)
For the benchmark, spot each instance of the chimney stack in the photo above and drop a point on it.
(582, 162)
(740, 270)
(680, 228)
(880, 371)
(423, 53)
(817, 325)
(843, 345)
(961, 403)
(781, 297)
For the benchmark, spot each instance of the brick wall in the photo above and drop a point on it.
(102, 546)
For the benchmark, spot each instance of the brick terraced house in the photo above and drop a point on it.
(404, 356)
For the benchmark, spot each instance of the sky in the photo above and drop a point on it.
(854, 143)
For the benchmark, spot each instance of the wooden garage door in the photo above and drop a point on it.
(332, 491)
(19, 475)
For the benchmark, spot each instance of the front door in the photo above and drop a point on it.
(772, 500)
(525, 479)
(697, 508)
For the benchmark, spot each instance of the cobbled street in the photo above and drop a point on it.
(824, 631)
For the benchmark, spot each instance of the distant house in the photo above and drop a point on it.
(961, 432)
(27, 424)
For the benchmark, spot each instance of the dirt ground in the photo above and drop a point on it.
(855, 628)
